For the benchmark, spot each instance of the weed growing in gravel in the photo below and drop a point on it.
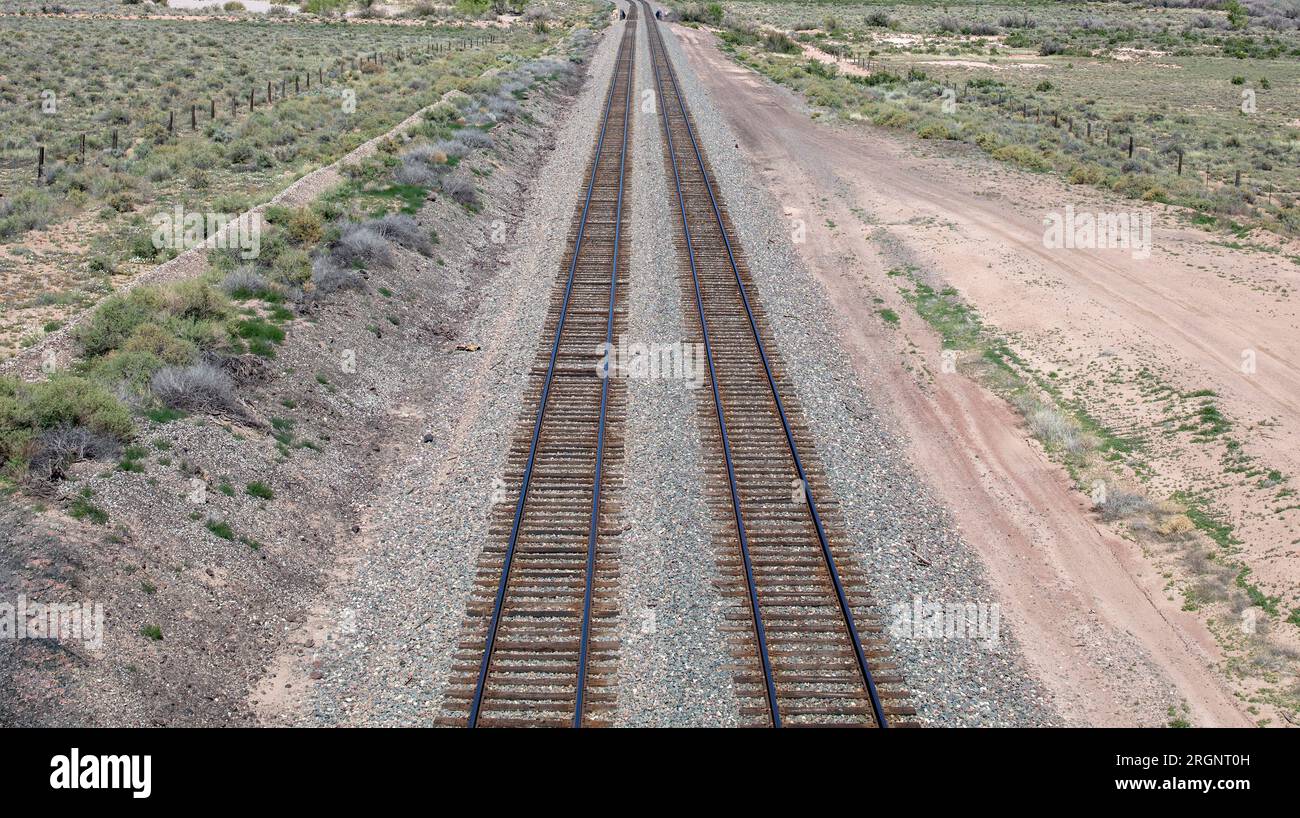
(220, 528)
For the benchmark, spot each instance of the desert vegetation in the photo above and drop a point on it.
(1191, 104)
(152, 354)
(213, 117)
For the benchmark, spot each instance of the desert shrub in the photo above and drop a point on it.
(880, 19)
(1023, 156)
(700, 13)
(28, 209)
(461, 189)
(421, 165)
(199, 387)
(28, 411)
(160, 343)
(117, 318)
(1120, 505)
(1056, 430)
(1011, 21)
(328, 277)
(197, 300)
(304, 226)
(981, 29)
(947, 23)
(359, 245)
(937, 130)
(61, 446)
(244, 282)
(1087, 174)
(405, 231)
(474, 139)
(1050, 47)
(780, 42)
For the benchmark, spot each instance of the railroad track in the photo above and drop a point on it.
(807, 648)
(539, 647)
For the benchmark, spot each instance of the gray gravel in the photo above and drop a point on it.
(890, 511)
(671, 671)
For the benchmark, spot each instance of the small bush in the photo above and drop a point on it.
(199, 387)
(780, 42)
(244, 282)
(50, 420)
(260, 490)
(1120, 505)
(328, 277)
(359, 245)
(65, 444)
(117, 318)
(880, 19)
(403, 230)
(305, 227)
(461, 189)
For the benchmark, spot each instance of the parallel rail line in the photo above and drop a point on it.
(539, 648)
(803, 659)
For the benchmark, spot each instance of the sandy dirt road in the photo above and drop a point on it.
(1091, 610)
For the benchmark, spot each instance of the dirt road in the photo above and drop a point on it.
(1097, 623)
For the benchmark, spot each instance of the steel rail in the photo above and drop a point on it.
(759, 632)
(604, 386)
(656, 38)
(499, 602)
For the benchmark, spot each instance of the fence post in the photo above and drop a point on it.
(115, 140)
(1237, 182)
(40, 164)
(83, 149)
(1180, 162)
(1130, 146)
(171, 117)
(194, 117)
(250, 100)
(212, 108)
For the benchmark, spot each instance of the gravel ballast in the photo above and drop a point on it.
(672, 670)
(891, 513)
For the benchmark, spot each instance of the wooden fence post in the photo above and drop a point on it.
(1130, 146)
(194, 117)
(40, 164)
(171, 117)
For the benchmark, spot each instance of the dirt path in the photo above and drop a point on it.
(1091, 612)
(58, 347)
